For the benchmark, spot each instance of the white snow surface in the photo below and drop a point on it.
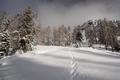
(61, 63)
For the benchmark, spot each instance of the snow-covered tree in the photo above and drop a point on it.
(69, 36)
(77, 36)
(4, 43)
(22, 26)
(48, 36)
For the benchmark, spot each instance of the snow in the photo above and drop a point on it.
(100, 51)
(15, 31)
(43, 49)
(3, 60)
(118, 38)
(62, 63)
(3, 64)
(47, 59)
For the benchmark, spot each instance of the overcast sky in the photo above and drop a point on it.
(67, 12)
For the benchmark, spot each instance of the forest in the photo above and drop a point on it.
(24, 25)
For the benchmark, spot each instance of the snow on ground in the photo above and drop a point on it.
(63, 63)
(101, 51)
(60, 55)
(3, 60)
(50, 55)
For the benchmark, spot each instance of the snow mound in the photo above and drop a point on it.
(100, 51)
(44, 49)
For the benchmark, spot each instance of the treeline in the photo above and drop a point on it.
(105, 32)
(16, 32)
(58, 36)
(102, 32)
(23, 25)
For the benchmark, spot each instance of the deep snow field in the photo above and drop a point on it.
(61, 63)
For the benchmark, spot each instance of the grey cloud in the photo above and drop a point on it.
(55, 14)
(67, 12)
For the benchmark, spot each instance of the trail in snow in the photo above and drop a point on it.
(59, 63)
(73, 66)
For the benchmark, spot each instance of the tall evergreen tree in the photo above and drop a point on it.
(77, 36)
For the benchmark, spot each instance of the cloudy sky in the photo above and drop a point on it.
(67, 12)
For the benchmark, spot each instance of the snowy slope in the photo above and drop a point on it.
(62, 63)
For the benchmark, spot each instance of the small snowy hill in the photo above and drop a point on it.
(62, 63)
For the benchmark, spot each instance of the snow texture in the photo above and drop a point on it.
(61, 63)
